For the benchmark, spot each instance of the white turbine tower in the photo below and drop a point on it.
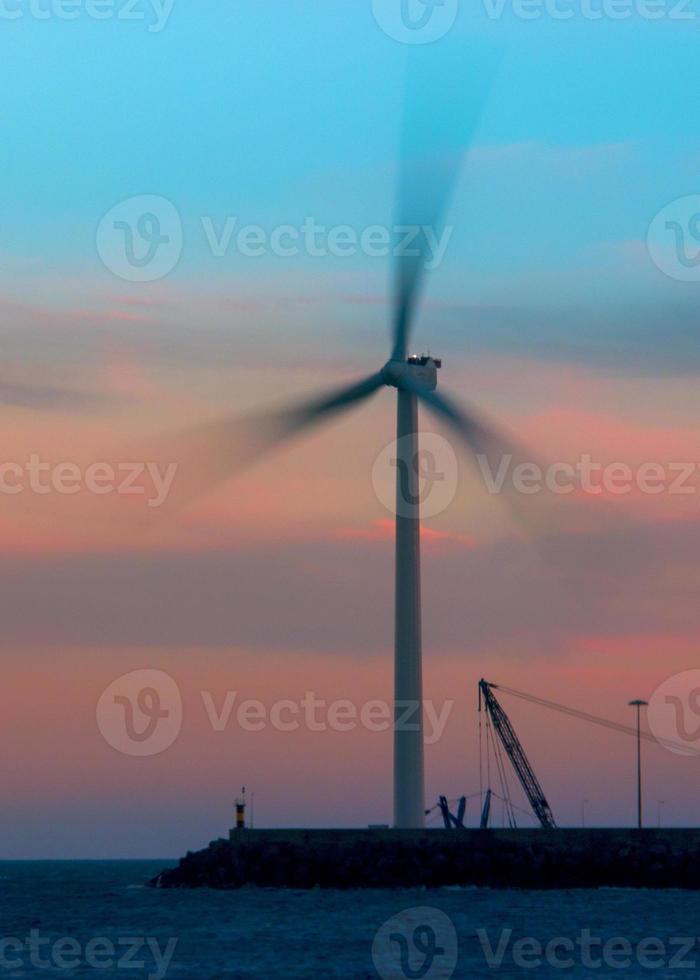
(214, 451)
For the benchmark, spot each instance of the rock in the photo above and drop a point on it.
(435, 858)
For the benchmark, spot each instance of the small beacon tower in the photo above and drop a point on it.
(240, 810)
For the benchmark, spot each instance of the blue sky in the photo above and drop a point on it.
(267, 110)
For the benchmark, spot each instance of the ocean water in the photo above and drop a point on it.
(80, 919)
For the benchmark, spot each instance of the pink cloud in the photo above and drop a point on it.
(383, 530)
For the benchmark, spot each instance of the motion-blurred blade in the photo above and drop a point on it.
(212, 452)
(446, 92)
(507, 470)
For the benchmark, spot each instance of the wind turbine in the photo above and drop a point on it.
(429, 172)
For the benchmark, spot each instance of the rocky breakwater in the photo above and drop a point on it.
(436, 858)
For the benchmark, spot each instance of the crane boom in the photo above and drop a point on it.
(516, 754)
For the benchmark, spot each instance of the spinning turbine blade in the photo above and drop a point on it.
(211, 452)
(497, 457)
(481, 439)
(445, 96)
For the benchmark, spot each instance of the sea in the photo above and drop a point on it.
(99, 919)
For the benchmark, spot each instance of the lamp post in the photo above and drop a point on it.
(638, 704)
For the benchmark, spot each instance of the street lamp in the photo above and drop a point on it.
(639, 705)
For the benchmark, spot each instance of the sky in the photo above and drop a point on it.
(564, 306)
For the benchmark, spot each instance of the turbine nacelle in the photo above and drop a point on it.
(418, 368)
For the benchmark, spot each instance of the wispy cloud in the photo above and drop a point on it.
(48, 398)
(383, 530)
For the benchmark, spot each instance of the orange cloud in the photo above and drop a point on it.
(383, 530)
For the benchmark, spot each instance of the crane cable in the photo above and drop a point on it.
(594, 719)
(502, 775)
(481, 765)
(432, 811)
(492, 747)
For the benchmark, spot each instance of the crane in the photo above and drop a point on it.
(516, 754)
(450, 819)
